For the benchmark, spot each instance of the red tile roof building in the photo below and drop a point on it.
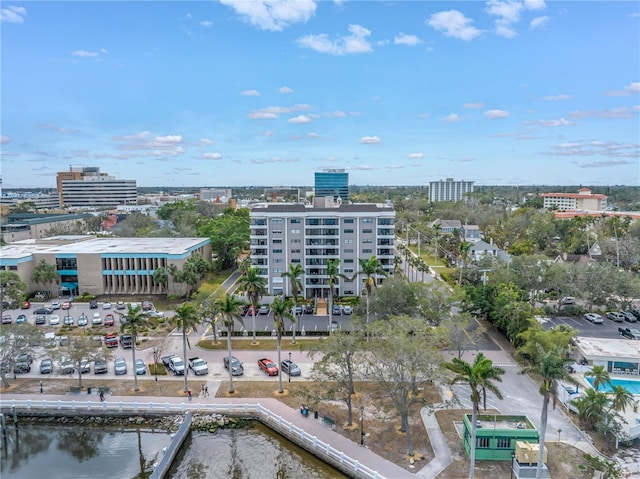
(582, 200)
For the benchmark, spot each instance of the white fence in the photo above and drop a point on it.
(294, 433)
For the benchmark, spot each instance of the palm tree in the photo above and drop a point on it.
(254, 286)
(45, 273)
(210, 316)
(552, 367)
(480, 376)
(133, 320)
(294, 273)
(229, 307)
(465, 247)
(591, 407)
(281, 309)
(600, 376)
(334, 277)
(186, 320)
(621, 399)
(370, 268)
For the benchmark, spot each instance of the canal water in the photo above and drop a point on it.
(73, 452)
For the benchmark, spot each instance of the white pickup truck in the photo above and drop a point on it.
(198, 366)
(174, 363)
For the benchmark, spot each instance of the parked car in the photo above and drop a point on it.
(46, 366)
(67, 366)
(108, 320)
(155, 314)
(100, 366)
(347, 309)
(54, 320)
(83, 320)
(97, 319)
(268, 366)
(616, 316)
(249, 311)
(111, 340)
(290, 368)
(68, 320)
(567, 300)
(85, 366)
(120, 366)
(147, 306)
(64, 341)
(7, 319)
(21, 319)
(264, 309)
(121, 305)
(335, 326)
(66, 305)
(93, 304)
(25, 305)
(22, 363)
(126, 341)
(106, 305)
(43, 310)
(297, 310)
(636, 313)
(55, 304)
(629, 333)
(336, 310)
(595, 318)
(40, 319)
(629, 317)
(141, 367)
(308, 309)
(236, 366)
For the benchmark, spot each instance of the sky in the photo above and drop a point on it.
(241, 93)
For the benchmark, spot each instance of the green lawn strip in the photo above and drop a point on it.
(264, 344)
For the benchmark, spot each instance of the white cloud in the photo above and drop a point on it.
(630, 89)
(300, 119)
(451, 118)
(13, 14)
(251, 93)
(58, 129)
(313, 135)
(362, 167)
(85, 54)
(453, 24)
(598, 148)
(4, 140)
(409, 40)
(621, 112)
(370, 140)
(557, 97)
(474, 105)
(415, 156)
(211, 156)
(272, 15)
(560, 122)
(157, 146)
(538, 22)
(494, 114)
(206, 23)
(336, 114)
(509, 12)
(205, 141)
(535, 4)
(285, 89)
(356, 42)
(273, 112)
(394, 167)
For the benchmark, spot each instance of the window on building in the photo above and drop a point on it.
(348, 230)
(277, 232)
(482, 442)
(367, 250)
(13, 267)
(276, 250)
(348, 221)
(504, 443)
(295, 261)
(277, 241)
(296, 241)
(295, 232)
(367, 220)
(296, 250)
(367, 241)
(348, 270)
(277, 270)
(367, 230)
(348, 250)
(348, 241)
(348, 261)
(295, 221)
(276, 221)
(278, 260)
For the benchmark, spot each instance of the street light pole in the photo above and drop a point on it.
(362, 426)
(513, 456)
(155, 365)
(289, 366)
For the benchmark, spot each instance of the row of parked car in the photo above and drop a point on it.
(630, 316)
(100, 366)
(265, 364)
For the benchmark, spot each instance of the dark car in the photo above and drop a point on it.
(264, 309)
(336, 310)
(100, 366)
(629, 317)
(147, 306)
(40, 319)
(290, 368)
(308, 309)
(46, 366)
(93, 304)
(43, 311)
(236, 366)
(22, 363)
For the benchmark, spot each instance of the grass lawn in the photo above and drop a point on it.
(263, 344)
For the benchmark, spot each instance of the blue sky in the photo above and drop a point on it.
(265, 93)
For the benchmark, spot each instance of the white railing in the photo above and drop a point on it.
(296, 434)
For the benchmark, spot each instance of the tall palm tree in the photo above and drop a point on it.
(293, 274)
(370, 268)
(480, 377)
(254, 286)
(600, 376)
(334, 275)
(464, 249)
(281, 309)
(133, 320)
(186, 319)
(229, 307)
(621, 399)
(552, 367)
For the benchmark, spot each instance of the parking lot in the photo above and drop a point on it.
(608, 328)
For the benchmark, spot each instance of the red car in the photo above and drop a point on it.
(111, 340)
(25, 305)
(66, 305)
(268, 366)
(108, 320)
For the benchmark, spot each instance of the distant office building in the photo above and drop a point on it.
(449, 190)
(283, 234)
(334, 183)
(217, 195)
(87, 187)
(582, 200)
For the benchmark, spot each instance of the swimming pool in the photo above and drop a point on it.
(629, 384)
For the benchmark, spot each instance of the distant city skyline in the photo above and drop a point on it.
(235, 93)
